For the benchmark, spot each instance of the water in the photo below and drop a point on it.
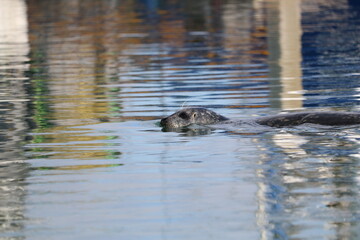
(84, 84)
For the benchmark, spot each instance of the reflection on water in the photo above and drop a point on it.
(318, 169)
(13, 126)
(84, 84)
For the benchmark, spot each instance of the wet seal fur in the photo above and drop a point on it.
(203, 116)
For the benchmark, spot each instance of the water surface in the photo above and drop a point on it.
(84, 84)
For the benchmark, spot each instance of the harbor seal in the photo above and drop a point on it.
(203, 116)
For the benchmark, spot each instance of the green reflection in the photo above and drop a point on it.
(39, 92)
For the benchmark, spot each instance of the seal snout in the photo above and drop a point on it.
(163, 122)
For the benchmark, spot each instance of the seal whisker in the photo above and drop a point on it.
(184, 105)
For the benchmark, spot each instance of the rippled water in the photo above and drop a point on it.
(84, 84)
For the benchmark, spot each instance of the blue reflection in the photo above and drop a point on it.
(330, 60)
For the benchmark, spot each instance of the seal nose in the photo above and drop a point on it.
(163, 122)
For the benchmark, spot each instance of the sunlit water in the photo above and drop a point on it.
(83, 86)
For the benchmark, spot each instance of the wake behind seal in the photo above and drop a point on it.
(202, 116)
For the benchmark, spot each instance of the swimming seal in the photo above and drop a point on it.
(203, 116)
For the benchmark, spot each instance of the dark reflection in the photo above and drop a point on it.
(190, 131)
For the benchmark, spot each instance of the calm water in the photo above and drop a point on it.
(84, 84)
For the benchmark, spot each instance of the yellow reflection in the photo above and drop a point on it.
(78, 56)
(78, 167)
(65, 152)
(70, 64)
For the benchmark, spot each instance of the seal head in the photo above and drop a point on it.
(188, 116)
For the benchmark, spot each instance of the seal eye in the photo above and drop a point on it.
(194, 115)
(184, 116)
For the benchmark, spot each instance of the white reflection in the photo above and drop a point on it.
(14, 48)
(290, 58)
(13, 32)
(284, 31)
